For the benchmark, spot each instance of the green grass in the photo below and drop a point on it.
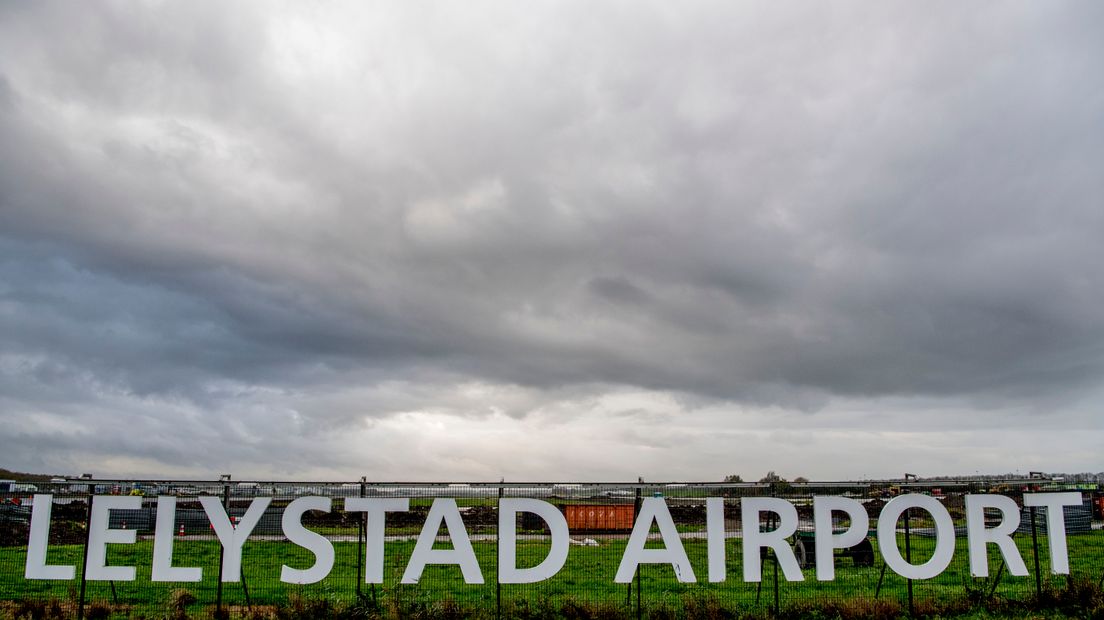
(587, 577)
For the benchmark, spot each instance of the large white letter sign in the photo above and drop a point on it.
(99, 535)
(163, 570)
(715, 538)
(292, 524)
(232, 538)
(977, 535)
(826, 540)
(443, 509)
(944, 536)
(377, 509)
(654, 509)
(508, 572)
(36, 567)
(1056, 525)
(750, 508)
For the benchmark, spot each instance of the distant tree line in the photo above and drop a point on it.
(770, 478)
(773, 477)
(18, 476)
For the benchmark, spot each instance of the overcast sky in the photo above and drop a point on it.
(551, 240)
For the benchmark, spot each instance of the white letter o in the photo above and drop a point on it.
(944, 536)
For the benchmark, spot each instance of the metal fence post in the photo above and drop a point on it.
(498, 543)
(361, 525)
(758, 584)
(222, 549)
(772, 525)
(244, 582)
(908, 558)
(84, 563)
(1035, 555)
(636, 512)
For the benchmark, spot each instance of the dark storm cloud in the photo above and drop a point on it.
(736, 204)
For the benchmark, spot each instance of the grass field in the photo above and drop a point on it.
(587, 578)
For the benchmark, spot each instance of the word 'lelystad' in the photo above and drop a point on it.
(653, 510)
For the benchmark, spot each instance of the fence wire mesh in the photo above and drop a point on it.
(600, 518)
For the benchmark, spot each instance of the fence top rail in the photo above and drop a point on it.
(567, 485)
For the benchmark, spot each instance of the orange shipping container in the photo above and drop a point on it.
(590, 517)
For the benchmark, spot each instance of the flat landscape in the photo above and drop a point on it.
(587, 578)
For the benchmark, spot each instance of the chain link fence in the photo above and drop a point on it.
(373, 552)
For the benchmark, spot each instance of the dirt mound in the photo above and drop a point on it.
(692, 514)
(61, 533)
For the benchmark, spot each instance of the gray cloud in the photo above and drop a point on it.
(328, 220)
